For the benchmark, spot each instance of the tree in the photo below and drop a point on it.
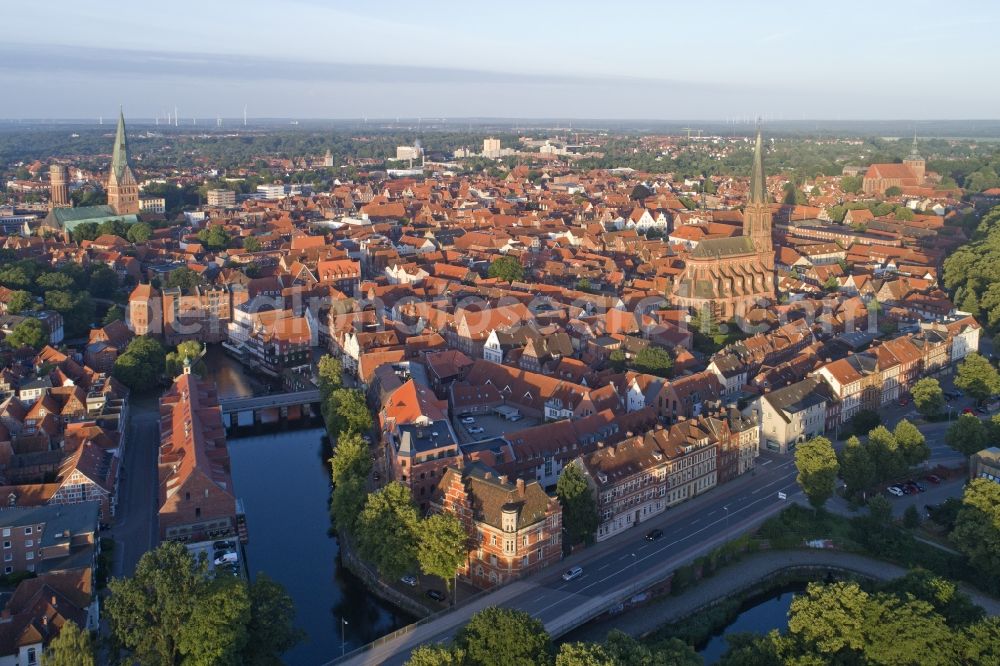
(103, 281)
(579, 507)
(29, 333)
(172, 608)
(817, 468)
(183, 278)
(880, 511)
(617, 359)
(864, 420)
(187, 351)
(653, 360)
(911, 443)
(141, 365)
(347, 502)
(508, 269)
(967, 435)
(856, 467)
(139, 233)
(832, 283)
(345, 410)
(350, 458)
(148, 611)
(214, 238)
(583, 654)
(928, 397)
(114, 313)
(977, 528)
(330, 372)
(956, 606)
(271, 626)
(216, 629)
(851, 184)
(20, 301)
(442, 546)
(85, 231)
(893, 191)
(251, 244)
(386, 530)
(503, 636)
(977, 377)
(884, 449)
(56, 281)
(911, 518)
(437, 655)
(72, 647)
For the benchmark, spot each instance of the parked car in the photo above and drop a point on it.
(916, 486)
(573, 573)
(475, 430)
(409, 580)
(949, 394)
(968, 410)
(436, 595)
(903, 402)
(895, 490)
(653, 535)
(982, 410)
(223, 545)
(225, 558)
(933, 478)
(366, 439)
(515, 418)
(468, 420)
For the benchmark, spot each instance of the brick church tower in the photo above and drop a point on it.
(123, 190)
(757, 213)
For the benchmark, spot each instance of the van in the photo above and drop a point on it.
(573, 573)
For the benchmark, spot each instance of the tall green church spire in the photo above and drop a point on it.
(119, 156)
(758, 184)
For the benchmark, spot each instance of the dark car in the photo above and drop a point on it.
(436, 595)
(933, 478)
(653, 535)
(223, 545)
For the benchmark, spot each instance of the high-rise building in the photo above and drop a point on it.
(58, 186)
(491, 148)
(123, 190)
(226, 198)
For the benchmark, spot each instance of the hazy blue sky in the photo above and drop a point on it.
(582, 59)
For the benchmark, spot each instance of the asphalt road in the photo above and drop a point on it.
(135, 526)
(714, 517)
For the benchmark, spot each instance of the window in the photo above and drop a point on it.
(8, 570)
(6, 544)
(32, 656)
(8, 557)
(30, 555)
(28, 543)
(27, 531)
(6, 531)
(197, 512)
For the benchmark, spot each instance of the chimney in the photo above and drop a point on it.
(502, 478)
(55, 602)
(520, 486)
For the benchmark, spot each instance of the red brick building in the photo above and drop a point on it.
(196, 487)
(515, 529)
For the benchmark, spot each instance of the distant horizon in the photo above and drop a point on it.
(633, 61)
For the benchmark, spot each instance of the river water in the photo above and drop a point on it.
(284, 481)
(760, 615)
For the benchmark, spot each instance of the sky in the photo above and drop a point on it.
(382, 59)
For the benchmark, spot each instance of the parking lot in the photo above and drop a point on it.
(493, 425)
(207, 550)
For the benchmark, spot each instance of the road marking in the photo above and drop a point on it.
(604, 567)
(791, 489)
(695, 522)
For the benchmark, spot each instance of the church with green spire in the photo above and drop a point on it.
(122, 188)
(728, 277)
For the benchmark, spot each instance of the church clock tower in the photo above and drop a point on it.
(123, 190)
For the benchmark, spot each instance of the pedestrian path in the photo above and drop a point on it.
(737, 577)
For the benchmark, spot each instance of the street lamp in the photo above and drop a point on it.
(343, 642)
(635, 561)
(727, 515)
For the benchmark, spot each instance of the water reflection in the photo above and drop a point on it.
(284, 482)
(760, 615)
(229, 375)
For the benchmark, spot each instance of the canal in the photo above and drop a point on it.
(759, 615)
(284, 481)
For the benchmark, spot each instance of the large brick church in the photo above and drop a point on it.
(730, 276)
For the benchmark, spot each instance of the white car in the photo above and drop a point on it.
(468, 420)
(475, 430)
(573, 573)
(895, 490)
(226, 558)
(409, 580)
